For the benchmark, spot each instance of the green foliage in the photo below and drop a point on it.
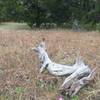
(88, 26)
(98, 26)
(19, 90)
(5, 97)
(37, 12)
(1, 72)
(75, 98)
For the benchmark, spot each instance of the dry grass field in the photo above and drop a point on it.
(19, 65)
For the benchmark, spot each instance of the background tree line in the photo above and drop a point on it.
(63, 13)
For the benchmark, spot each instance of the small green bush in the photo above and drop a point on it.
(98, 26)
(75, 98)
(88, 26)
(19, 90)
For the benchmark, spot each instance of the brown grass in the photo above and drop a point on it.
(20, 66)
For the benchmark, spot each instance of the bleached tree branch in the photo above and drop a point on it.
(78, 84)
(79, 73)
(55, 68)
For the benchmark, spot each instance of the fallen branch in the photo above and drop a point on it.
(80, 74)
(78, 84)
(55, 68)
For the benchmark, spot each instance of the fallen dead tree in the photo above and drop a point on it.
(80, 83)
(55, 68)
(77, 71)
(73, 87)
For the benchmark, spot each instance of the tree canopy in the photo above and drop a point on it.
(37, 12)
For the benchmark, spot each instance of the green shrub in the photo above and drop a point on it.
(88, 26)
(75, 98)
(19, 90)
(98, 26)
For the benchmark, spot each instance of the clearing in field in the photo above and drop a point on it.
(19, 66)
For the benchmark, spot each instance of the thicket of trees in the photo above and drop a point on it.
(60, 12)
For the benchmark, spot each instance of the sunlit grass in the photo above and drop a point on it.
(14, 26)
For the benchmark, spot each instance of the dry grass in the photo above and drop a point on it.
(19, 66)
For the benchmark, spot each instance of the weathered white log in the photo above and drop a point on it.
(78, 84)
(78, 73)
(58, 69)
